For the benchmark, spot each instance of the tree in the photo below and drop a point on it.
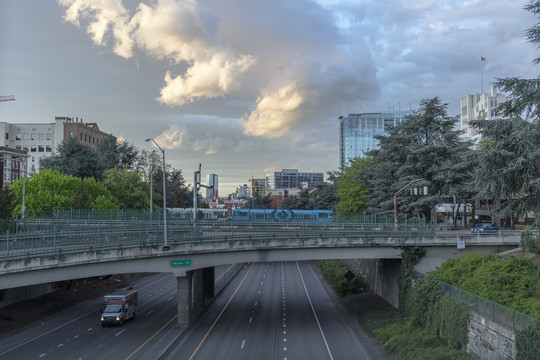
(7, 204)
(127, 189)
(47, 190)
(111, 153)
(51, 190)
(509, 153)
(425, 147)
(351, 191)
(72, 158)
(258, 202)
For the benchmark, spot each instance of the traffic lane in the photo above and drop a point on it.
(342, 333)
(77, 331)
(270, 317)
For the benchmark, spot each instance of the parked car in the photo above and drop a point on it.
(484, 227)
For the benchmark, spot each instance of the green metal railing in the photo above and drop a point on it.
(81, 231)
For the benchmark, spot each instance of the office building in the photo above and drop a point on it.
(212, 189)
(357, 132)
(479, 107)
(292, 178)
(42, 139)
(12, 165)
(257, 187)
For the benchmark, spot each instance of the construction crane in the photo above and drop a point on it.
(7, 98)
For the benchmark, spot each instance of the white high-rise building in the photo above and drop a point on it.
(479, 107)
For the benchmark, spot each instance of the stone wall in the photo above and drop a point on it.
(490, 341)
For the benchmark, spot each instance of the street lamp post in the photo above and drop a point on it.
(152, 182)
(165, 244)
(395, 200)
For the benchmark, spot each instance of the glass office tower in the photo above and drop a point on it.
(357, 132)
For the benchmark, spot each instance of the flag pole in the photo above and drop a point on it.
(482, 59)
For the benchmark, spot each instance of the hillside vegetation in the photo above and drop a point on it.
(513, 282)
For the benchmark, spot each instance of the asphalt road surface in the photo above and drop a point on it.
(278, 311)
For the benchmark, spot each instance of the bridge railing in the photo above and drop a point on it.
(38, 237)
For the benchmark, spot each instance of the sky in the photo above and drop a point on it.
(250, 87)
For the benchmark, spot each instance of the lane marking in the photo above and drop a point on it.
(148, 313)
(243, 342)
(118, 333)
(250, 319)
(314, 313)
(157, 332)
(42, 355)
(169, 299)
(220, 314)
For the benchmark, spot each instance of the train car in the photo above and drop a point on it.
(283, 215)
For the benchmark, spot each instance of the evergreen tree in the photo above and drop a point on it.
(426, 146)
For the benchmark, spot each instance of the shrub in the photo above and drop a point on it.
(529, 242)
(528, 343)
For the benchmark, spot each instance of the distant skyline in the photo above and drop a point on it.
(246, 88)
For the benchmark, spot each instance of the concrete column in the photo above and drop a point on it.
(184, 297)
(209, 282)
(198, 292)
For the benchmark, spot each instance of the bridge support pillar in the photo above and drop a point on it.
(198, 292)
(184, 284)
(209, 282)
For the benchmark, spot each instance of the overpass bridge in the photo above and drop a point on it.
(49, 250)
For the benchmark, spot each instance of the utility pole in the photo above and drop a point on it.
(196, 184)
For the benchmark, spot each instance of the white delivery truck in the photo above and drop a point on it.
(121, 305)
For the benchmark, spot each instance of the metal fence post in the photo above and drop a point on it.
(54, 241)
(7, 247)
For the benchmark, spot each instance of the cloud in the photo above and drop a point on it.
(175, 30)
(173, 138)
(205, 80)
(104, 15)
(275, 113)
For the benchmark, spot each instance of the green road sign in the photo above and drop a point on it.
(180, 263)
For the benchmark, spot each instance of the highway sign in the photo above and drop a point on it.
(180, 263)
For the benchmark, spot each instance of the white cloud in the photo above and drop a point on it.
(205, 80)
(167, 30)
(172, 138)
(104, 15)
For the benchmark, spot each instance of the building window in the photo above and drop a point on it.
(48, 136)
(48, 148)
(18, 147)
(7, 136)
(26, 136)
(41, 148)
(33, 136)
(41, 136)
(33, 148)
(81, 136)
(18, 136)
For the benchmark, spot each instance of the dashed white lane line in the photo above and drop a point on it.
(148, 313)
(250, 319)
(243, 342)
(169, 299)
(59, 345)
(76, 336)
(89, 329)
(118, 333)
(42, 355)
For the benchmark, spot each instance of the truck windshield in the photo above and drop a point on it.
(113, 309)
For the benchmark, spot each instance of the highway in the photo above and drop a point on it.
(279, 310)
(76, 333)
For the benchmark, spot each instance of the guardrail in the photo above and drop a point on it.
(54, 237)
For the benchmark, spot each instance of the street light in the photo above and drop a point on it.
(165, 244)
(395, 199)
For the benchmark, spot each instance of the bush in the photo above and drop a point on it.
(529, 242)
(334, 272)
(412, 342)
(528, 343)
(513, 282)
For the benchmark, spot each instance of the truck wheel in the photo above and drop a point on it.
(121, 322)
(134, 315)
(102, 325)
